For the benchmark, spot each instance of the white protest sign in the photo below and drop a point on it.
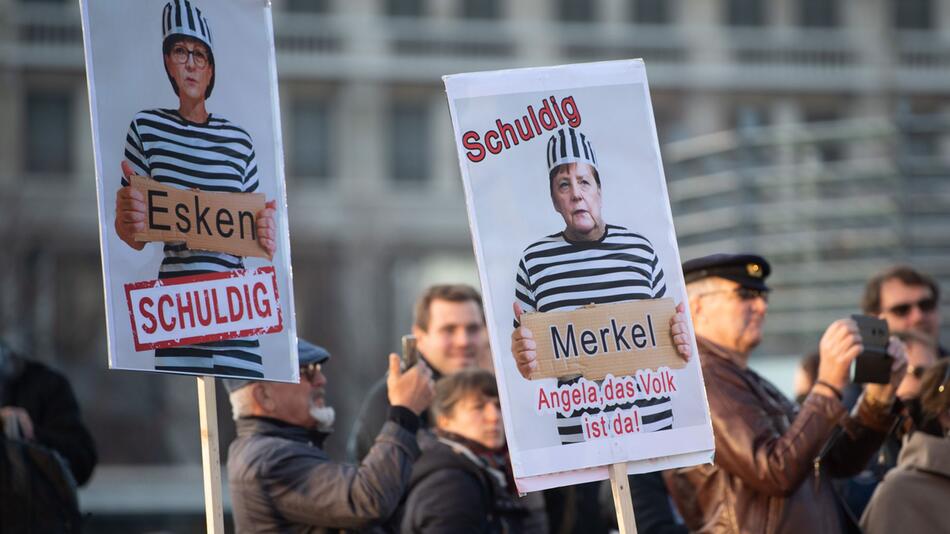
(196, 268)
(570, 217)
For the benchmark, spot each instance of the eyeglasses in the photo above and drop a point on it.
(925, 305)
(180, 55)
(744, 293)
(310, 370)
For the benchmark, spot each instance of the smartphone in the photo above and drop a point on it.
(410, 356)
(873, 365)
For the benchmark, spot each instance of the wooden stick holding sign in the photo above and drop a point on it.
(623, 502)
(210, 454)
(594, 341)
(222, 222)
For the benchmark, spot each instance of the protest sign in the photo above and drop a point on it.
(228, 220)
(192, 209)
(574, 240)
(594, 341)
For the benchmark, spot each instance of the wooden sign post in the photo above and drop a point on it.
(210, 454)
(623, 502)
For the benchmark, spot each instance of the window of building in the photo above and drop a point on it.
(818, 13)
(651, 11)
(49, 128)
(309, 6)
(745, 13)
(409, 141)
(575, 10)
(405, 8)
(913, 14)
(311, 130)
(480, 9)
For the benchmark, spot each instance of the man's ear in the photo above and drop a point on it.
(418, 332)
(262, 398)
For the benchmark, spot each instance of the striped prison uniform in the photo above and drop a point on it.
(215, 156)
(555, 274)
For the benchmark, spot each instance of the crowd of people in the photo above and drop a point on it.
(428, 452)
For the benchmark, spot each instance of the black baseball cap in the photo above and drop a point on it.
(747, 270)
(307, 353)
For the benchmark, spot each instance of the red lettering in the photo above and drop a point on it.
(235, 308)
(505, 128)
(150, 326)
(470, 142)
(218, 317)
(247, 299)
(571, 112)
(261, 304)
(489, 135)
(543, 401)
(205, 319)
(162, 301)
(184, 309)
(557, 110)
(546, 117)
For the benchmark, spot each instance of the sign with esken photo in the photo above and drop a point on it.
(192, 203)
(578, 262)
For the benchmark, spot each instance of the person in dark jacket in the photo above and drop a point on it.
(461, 483)
(774, 459)
(280, 478)
(449, 326)
(41, 403)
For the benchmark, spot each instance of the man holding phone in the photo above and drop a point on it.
(908, 299)
(774, 459)
(450, 333)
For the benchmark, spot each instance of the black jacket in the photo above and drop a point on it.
(455, 490)
(49, 400)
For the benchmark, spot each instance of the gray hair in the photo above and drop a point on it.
(242, 401)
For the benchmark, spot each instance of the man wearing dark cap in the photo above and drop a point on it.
(281, 479)
(773, 459)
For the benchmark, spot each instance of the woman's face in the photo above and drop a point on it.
(189, 64)
(477, 418)
(576, 196)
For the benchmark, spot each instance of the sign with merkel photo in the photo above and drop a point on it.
(578, 261)
(192, 209)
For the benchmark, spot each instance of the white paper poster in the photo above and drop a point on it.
(568, 208)
(189, 173)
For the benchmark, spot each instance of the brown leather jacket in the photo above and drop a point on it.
(767, 477)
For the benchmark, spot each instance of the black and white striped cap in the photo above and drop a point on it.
(181, 18)
(568, 145)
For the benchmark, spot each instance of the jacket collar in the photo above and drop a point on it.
(714, 349)
(925, 452)
(268, 426)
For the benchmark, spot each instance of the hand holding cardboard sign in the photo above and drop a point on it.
(680, 332)
(267, 228)
(129, 211)
(523, 346)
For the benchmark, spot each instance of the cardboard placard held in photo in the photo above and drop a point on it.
(222, 222)
(594, 341)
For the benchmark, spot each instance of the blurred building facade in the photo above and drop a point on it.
(813, 131)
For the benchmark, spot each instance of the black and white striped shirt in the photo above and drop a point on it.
(555, 274)
(214, 156)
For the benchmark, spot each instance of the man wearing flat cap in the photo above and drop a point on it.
(281, 479)
(774, 459)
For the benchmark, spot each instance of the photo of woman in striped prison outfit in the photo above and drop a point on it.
(190, 148)
(589, 262)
